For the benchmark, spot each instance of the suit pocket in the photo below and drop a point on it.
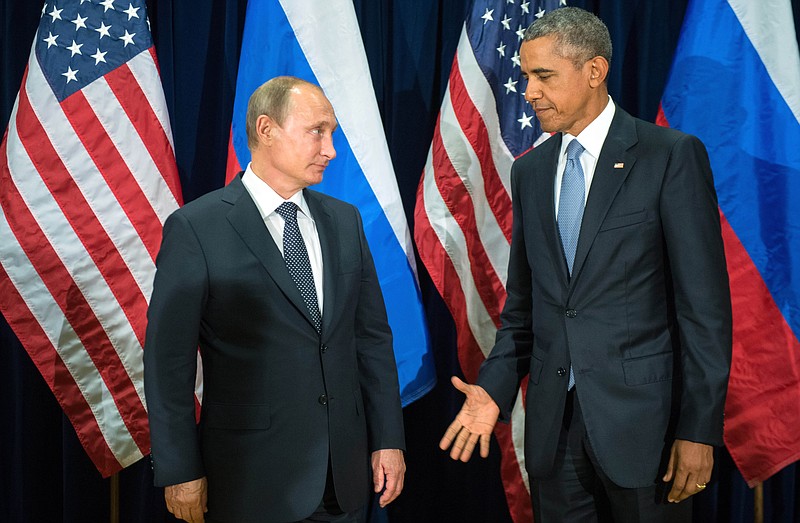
(236, 417)
(626, 220)
(648, 369)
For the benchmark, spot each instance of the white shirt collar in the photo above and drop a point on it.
(594, 135)
(265, 197)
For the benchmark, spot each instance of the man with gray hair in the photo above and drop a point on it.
(618, 308)
(276, 284)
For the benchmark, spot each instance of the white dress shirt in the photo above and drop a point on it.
(267, 200)
(592, 139)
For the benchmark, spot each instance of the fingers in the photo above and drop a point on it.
(187, 501)
(687, 486)
(394, 486)
(689, 469)
(450, 435)
(388, 471)
(670, 466)
(485, 440)
(459, 384)
(464, 445)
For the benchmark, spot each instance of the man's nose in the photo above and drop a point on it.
(328, 150)
(532, 91)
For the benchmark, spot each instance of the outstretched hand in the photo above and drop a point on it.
(474, 422)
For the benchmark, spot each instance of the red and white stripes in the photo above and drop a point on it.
(85, 186)
(463, 231)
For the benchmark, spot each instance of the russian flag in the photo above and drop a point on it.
(735, 83)
(320, 42)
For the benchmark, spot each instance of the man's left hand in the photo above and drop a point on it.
(689, 469)
(388, 473)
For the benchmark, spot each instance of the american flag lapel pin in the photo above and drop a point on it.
(619, 165)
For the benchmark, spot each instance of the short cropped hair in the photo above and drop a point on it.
(272, 99)
(579, 34)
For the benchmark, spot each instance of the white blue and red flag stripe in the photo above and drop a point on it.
(462, 224)
(87, 177)
(735, 83)
(320, 42)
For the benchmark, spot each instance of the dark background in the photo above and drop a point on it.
(45, 475)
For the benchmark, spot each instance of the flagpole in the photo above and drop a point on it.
(758, 503)
(114, 502)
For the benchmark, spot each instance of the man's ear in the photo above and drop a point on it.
(598, 71)
(265, 129)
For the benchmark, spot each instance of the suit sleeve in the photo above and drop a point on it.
(170, 353)
(376, 362)
(690, 217)
(509, 362)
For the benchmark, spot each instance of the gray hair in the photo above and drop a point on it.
(579, 34)
(272, 99)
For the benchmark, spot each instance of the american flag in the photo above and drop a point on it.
(463, 210)
(87, 177)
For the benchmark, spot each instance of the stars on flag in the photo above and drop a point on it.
(99, 56)
(127, 38)
(510, 85)
(525, 121)
(70, 74)
(502, 49)
(80, 22)
(131, 11)
(496, 31)
(51, 40)
(103, 30)
(70, 67)
(55, 13)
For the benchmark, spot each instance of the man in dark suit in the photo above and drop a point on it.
(618, 306)
(276, 285)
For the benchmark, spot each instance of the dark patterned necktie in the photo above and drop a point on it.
(296, 257)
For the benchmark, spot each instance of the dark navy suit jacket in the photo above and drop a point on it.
(279, 399)
(645, 319)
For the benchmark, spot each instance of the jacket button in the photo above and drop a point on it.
(561, 371)
(323, 400)
(323, 348)
(572, 313)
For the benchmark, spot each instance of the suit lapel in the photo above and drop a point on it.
(546, 191)
(326, 225)
(246, 220)
(608, 178)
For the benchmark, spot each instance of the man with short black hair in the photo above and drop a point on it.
(618, 307)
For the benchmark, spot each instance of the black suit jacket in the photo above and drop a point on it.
(645, 319)
(278, 399)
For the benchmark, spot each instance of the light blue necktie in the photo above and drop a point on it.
(296, 257)
(570, 211)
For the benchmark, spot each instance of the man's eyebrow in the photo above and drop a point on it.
(326, 123)
(540, 70)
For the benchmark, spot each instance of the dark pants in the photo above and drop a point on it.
(579, 492)
(328, 510)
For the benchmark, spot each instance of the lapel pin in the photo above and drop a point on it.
(619, 165)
